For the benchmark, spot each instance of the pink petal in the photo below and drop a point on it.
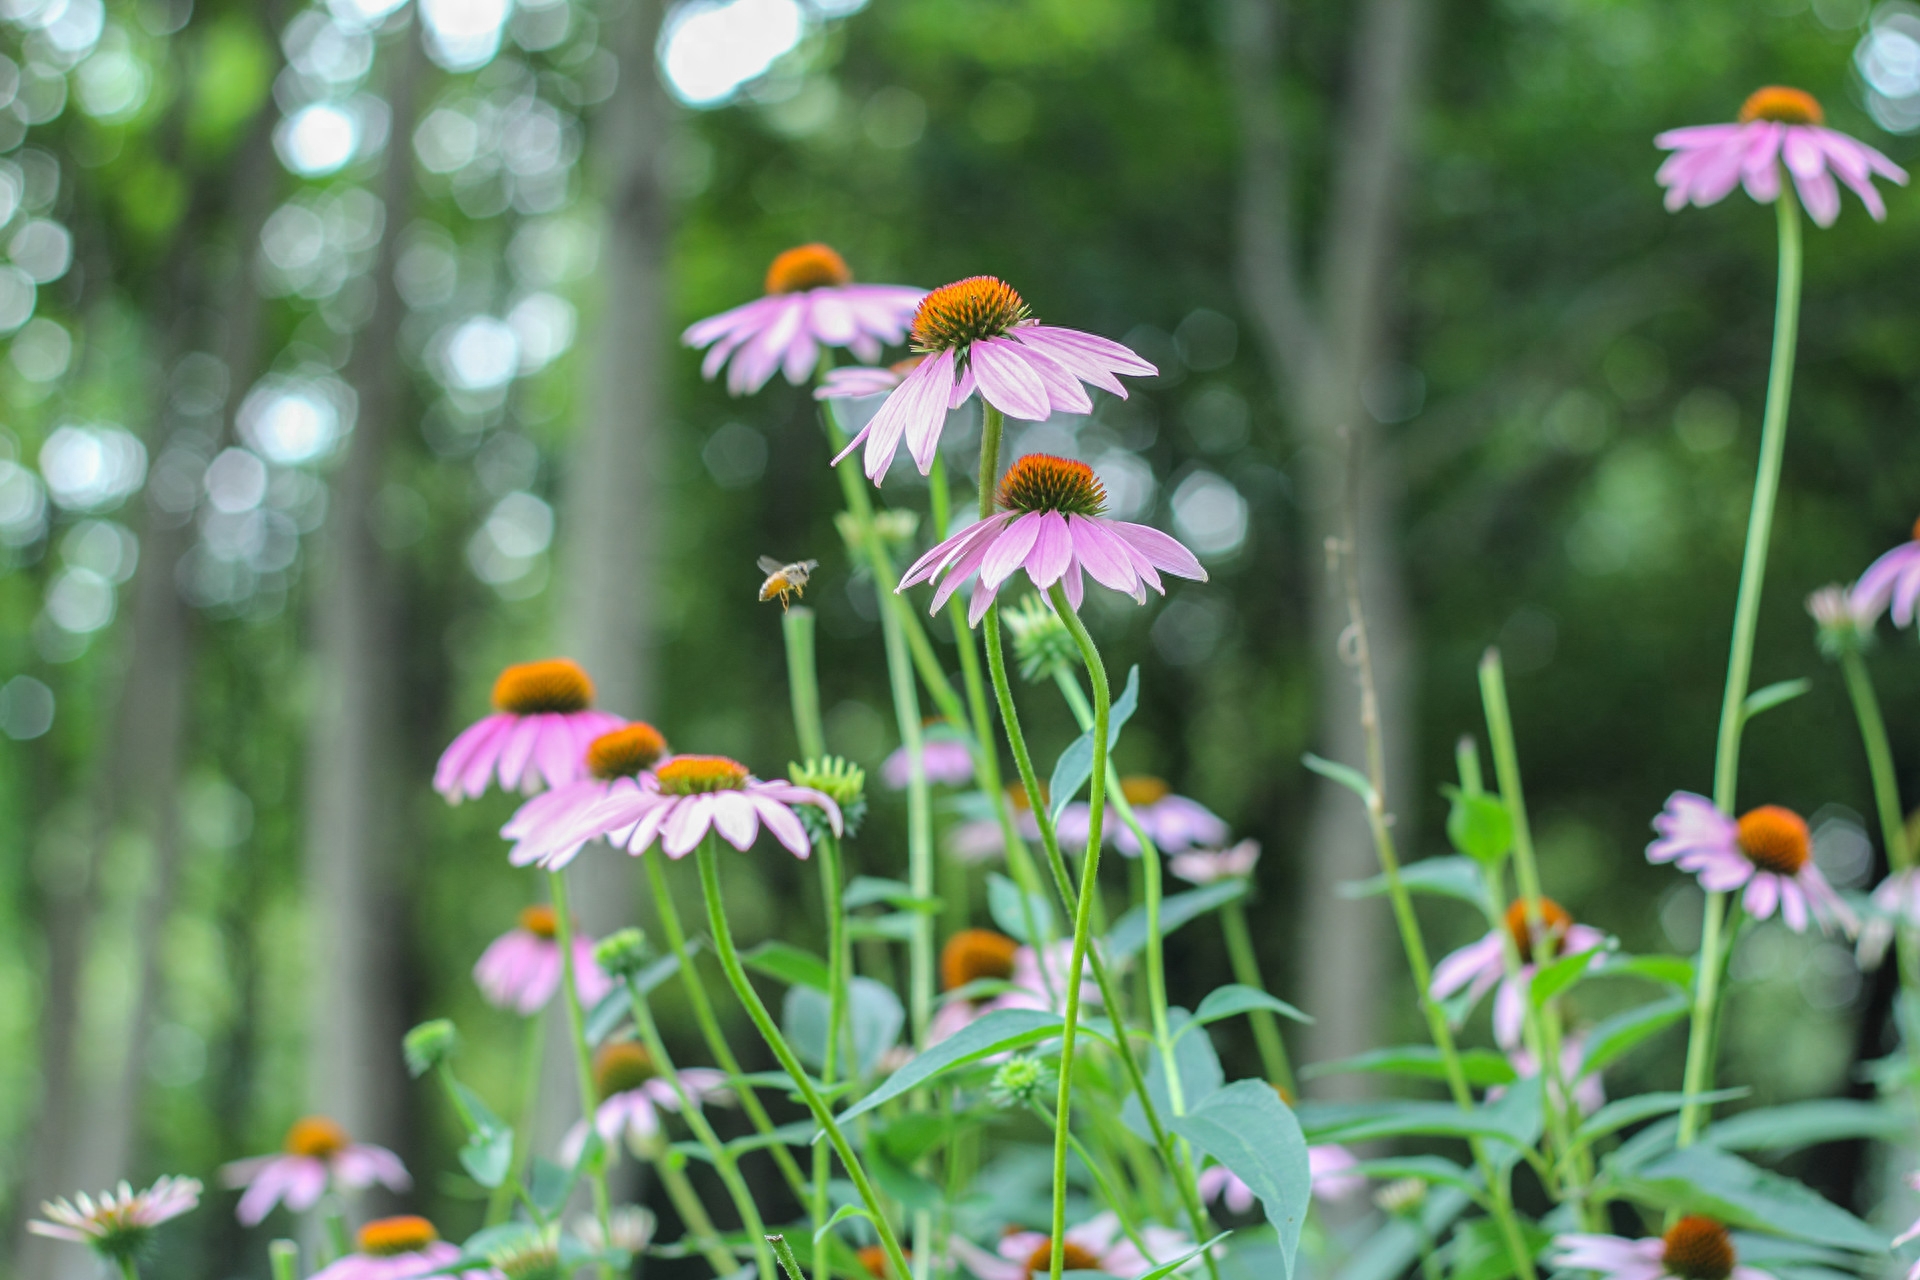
(1052, 550)
(1007, 381)
(785, 825)
(1164, 552)
(686, 825)
(1009, 550)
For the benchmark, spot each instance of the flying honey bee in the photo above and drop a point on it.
(784, 578)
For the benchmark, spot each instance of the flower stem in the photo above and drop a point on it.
(283, 1260)
(1246, 971)
(127, 1268)
(1746, 616)
(839, 967)
(803, 683)
(716, 1040)
(1109, 1191)
(788, 1263)
(770, 1032)
(1873, 736)
(500, 1202)
(582, 1053)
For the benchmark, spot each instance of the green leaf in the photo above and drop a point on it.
(1614, 1036)
(1172, 1265)
(1618, 1115)
(485, 1123)
(865, 891)
(1256, 1136)
(1806, 1124)
(1479, 1249)
(896, 926)
(1521, 1113)
(1483, 1067)
(1479, 826)
(874, 1019)
(1003, 904)
(1451, 877)
(1074, 768)
(487, 1155)
(549, 1185)
(997, 1032)
(1705, 1180)
(1772, 696)
(1672, 971)
(1400, 1118)
(800, 1133)
(1393, 1247)
(1200, 1076)
(1565, 971)
(1129, 934)
(840, 1215)
(605, 1017)
(789, 964)
(1350, 778)
(1434, 1170)
(1225, 1002)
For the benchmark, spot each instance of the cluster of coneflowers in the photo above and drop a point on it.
(1057, 1022)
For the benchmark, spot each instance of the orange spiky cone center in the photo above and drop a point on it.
(540, 921)
(1042, 482)
(973, 954)
(621, 1066)
(964, 312)
(1555, 920)
(1775, 839)
(697, 775)
(807, 266)
(1698, 1248)
(316, 1137)
(552, 684)
(1782, 105)
(406, 1233)
(625, 752)
(1073, 1257)
(1142, 791)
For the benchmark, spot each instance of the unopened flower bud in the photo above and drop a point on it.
(1041, 641)
(840, 781)
(621, 954)
(1020, 1082)
(1402, 1198)
(428, 1045)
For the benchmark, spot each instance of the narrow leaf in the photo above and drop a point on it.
(1247, 1128)
(1074, 769)
(789, 964)
(1772, 696)
(1350, 778)
(1450, 877)
(1484, 1068)
(997, 1032)
(1128, 937)
(1225, 1002)
(1618, 1115)
(1614, 1036)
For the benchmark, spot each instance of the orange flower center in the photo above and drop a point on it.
(317, 1137)
(539, 921)
(1141, 790)
(1784, 105)
(1554, 923)
(696, 775)
(809, 266)
(1698, 1249)
(874, 1259)
(384, 1237)
(1017, 796)
(554, 684)
(1916, 530)
(621, 1066)
(966, 311)
(1073, 1257)
(625, 751)
(1042, 482)
(972, 954)
(1775, 839)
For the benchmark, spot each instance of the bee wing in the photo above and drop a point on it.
(769, 566)
(808, 566)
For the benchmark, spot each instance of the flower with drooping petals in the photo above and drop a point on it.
(521, 969)
(678, 803)
(632, 1094)
(858, 381)
(117, 1223)
(1895, 904)
(1695, 1248)
(615, 761)
(537, 737)
(1892, 580)
(1206, 866)
(944, 755)
(1478, 966)
(1097, 1244)
(811, 302)
(1050, 524)
(977, 955)
(317, 1153)
(1769, 851)
(399, 1248)
(1173, 822)
(977, 334)
(1777, 126)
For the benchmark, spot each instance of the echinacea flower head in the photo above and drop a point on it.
(1891, 581)
(1207, 866)
(1173, 822)
(633, 1093)
(1034, 979)
(521, 969)
(1895, 905)
(614, 760)
(1097, 1244)
(116, 1224)
(811, 302)
(944, 756)
(1768, 852)
(1777, 127)
(316, 1154)
(977, 334)
(399, 1248)
(1694, 1248)
(537, 736)
(1479, 966)
(1050, 524)
(1843, 619)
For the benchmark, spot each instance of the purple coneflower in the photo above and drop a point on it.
(944, 755)
(1050, 524)
(1892, 580)
(1777, 126)
(520, 970)
(1173, 822)
(543, 720)
(614, 762)
(1478, 966)
(116, 1224)
(1769, 851)
(400, 1248)
(632, 1094)
(1694, 1248)
(977, 333)
(811, 302)
(1097, 1244)
(858, 381)
(981, 955)
(317, 1152)
(1205, 866)
(1895, 902)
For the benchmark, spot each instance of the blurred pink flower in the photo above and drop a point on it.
(632, 1095)
(1205, 866)
(1769, 851)
(976, 333)
(1895, 903)
(1097, 1244)
(1050, 525)
(811, 302)
(317, 1153)
(1589, 1091)
(857, 381)
(972, 955)
(1173, 822)
(536, 738)
(614, 762)
(1478, 966)
(116, 1223)
(1330, 1166)
(947, 759)
(520, 970)
(1694, 1248)
(400, 1248)
(1893, 579)
(1776, 126)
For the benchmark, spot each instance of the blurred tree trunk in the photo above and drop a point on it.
(610, 503)
(1321, 343)
(355, 813)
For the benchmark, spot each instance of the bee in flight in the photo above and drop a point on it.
(784, 578)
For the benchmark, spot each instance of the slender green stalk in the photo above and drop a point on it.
(283, 1260)
(1746, 617)
(1246, 972)
(790, 1264)
(839, 972)
(500, 1202)
(693, 1213)
(716, 1040)
(582, 1052)
(127, 1268)
(803, 683)
(336, 1241)
(1102, 1181)
(789, 1061)
(906, 707)
(1873, 736)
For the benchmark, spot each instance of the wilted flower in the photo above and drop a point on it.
(1769, 851)
(1205, 866)
(1478, 966)
(543, 720)
(1097, 1244)
(1777, 126)
(1892, 580)
(1695, 1248)
(317, 1153)
(399, 1248)
(632, 1094)
(1844, 619)
(521, 969)
(117, 1223)
(1173, 822)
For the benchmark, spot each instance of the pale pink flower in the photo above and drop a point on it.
(1893, 579)
(945, 757)
(317, 1153)
(1173, 822)
(400, 1248)
(521, 969)
(811, 302)
(976, 334)
(1589, 1091)
(1895, 903)
(1050, 525)
(537, 737)
(117, 1223)
(1330, 1167)
(1205, 866)
(1478, 966)
(1693, 1248)
(632, 1096)
(614, 762)
(973, 955)
(1097, 1244)
(1769, 851)
(1777, 126)
(677, 804)
(858, 381)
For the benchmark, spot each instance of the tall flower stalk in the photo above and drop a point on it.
(582, 1052)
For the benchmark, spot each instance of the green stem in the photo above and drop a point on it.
(127, 1267)
(803, 683)
(1746, 617)
(770, 1032)
(790, 1264)
(839, 964)
(1101, 1180)
(693, 1213)
(582, 1052)
(500, 1202)
(716, 1040)
(1246, 972)
(283, 1260)
(1873, 736)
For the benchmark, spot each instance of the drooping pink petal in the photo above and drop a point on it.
(1801, 152)
(1165, 553)
(1007, 381)
(920, 396)
(1052, 550)
(686, 825)
(784, 823)
(980, 601)
(1009, 551)
(733, 819)
(1103, 555)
